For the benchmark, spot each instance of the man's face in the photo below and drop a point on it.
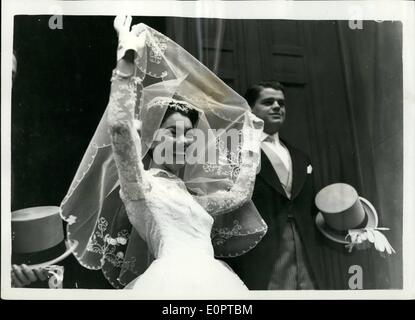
(270, 107)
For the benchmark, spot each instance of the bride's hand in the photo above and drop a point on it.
(129, 39)
(122, 25)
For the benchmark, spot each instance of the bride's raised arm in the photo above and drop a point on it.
(125, 139)
(221, 202)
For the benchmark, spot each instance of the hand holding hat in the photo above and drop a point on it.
(24, 276)
(346, 218)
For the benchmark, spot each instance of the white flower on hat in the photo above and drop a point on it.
(309, 169)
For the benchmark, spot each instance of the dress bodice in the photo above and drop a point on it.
(157, 202)
(168, 218)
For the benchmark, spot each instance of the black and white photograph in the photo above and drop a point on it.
(182, 150)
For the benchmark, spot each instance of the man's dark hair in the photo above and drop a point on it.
(252, 94)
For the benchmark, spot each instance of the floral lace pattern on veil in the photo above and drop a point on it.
(93, 220)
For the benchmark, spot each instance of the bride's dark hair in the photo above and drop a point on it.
(183, 109)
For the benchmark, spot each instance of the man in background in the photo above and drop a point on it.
(287, 258)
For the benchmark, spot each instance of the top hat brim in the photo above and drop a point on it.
(372, 222)
(70, 248)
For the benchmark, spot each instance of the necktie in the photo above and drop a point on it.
(277, 164)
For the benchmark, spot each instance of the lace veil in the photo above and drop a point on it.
(92, 208)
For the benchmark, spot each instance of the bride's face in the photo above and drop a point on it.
(175, 135)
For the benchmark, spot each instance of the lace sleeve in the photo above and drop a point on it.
(221, 202)
(125, 139)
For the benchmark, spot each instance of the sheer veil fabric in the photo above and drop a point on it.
(92, 207)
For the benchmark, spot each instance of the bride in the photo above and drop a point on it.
(163, 106)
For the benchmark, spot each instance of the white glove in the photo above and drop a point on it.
(362, 238)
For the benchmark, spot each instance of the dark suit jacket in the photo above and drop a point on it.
(256, 266)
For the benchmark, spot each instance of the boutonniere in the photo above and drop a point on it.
(309, 169)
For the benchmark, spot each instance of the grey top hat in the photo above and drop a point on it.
(342, 209)
(37, 237)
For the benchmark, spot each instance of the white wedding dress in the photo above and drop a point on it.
(175, 224)
(177, 231)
